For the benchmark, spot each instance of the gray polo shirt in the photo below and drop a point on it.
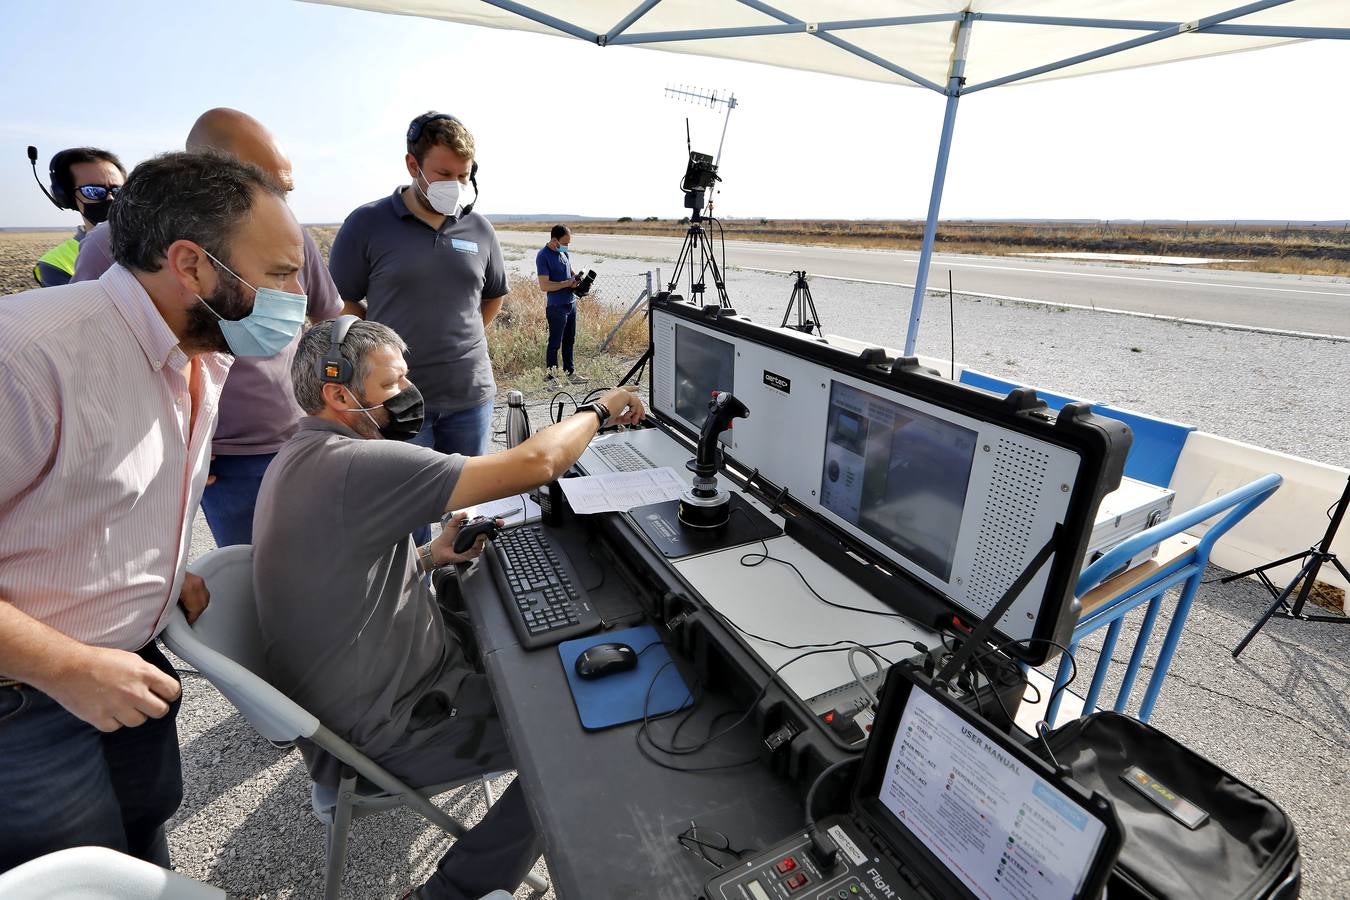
(351, 631)
(428, 285)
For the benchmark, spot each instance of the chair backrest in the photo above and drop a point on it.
(1156, 447)
(1003, 387)
(82, 872)
(226, 645)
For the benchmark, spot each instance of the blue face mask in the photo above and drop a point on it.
(274, 322)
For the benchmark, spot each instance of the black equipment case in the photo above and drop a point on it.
(1238, 844)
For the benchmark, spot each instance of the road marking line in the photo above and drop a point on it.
(1231, 326)
(1213, 284)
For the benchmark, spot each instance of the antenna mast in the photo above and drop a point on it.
(712, 99)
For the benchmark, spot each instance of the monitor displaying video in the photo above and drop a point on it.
(703, 364)
(898, 474)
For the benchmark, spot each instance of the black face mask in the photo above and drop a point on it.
(97, 212)
(406, 411)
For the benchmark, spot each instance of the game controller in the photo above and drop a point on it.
(470, 529)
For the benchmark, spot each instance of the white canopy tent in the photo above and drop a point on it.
(953, 47)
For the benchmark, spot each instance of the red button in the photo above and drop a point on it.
(796, 881)
(786, 865)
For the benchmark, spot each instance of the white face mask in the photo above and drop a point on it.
(442, 196)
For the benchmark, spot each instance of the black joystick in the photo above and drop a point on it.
(704, 505)
(470, 529)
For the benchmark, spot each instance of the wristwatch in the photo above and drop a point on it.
(425, 558)
(600, 409)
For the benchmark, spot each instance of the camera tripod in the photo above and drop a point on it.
(801, 298)
(698, 252)
(1313, 559)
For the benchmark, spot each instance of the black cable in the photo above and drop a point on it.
(765, 555)
(722, 233)
(820, 779)
(647, 719)
(1042, 729)
(1073, 673)
(557, 417)
(691, 834)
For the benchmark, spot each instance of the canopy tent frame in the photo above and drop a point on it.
(1219, 23)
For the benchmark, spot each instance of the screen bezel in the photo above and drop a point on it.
(901, 682)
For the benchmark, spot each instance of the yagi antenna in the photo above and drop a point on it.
(711, 99)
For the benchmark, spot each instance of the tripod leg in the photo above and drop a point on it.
(815, 316)
(710, 261)
(1279, 601)
(1311, 570)
(1263, 567)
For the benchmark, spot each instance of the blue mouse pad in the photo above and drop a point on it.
(618, 698)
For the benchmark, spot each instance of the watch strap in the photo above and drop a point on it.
(601, 411)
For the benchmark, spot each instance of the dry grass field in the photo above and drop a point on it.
(1288, 249)
(19, 250)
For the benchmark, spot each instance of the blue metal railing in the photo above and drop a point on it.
(1186, 570)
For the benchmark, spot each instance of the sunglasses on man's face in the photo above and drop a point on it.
(97, 193)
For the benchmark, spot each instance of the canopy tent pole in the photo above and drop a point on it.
(954, 83)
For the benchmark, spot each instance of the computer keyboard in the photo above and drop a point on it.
(623, 457)
(544, 598)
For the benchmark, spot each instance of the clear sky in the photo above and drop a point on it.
(566, 127)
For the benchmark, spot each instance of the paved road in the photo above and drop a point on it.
(1282, 302)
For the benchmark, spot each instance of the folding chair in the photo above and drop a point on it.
(79, 873)
(225, 645)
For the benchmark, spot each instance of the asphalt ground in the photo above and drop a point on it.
(1277, 718)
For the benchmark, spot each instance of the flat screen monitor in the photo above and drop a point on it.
(703, 364)
(982, 810)
(899, 474)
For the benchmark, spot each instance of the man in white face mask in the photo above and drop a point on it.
(423, 262)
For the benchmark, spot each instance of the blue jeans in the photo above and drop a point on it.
(562, 332)
(67, 784)
(467, 431)
(229, 500)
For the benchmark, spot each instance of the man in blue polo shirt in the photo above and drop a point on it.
(423, 263)
(557, 279)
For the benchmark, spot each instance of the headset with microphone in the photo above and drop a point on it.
(61, 194)
(415, 128)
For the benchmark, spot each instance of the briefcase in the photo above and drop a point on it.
(1192, 830)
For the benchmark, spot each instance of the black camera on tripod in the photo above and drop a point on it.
(699, 175)
(584, 283)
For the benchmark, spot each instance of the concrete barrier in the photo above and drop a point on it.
(1289, 522)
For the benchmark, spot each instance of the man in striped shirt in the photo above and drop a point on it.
(108, 399)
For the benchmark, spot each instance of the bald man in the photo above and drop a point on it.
(258, 411)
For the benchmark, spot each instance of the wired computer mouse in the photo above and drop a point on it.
(606, 659)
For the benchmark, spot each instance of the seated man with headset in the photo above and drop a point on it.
(351, 629)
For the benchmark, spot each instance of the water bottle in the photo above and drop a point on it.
(517, 419)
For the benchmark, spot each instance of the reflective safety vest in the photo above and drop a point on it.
(62, 257)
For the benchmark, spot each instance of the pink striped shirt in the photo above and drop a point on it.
(102, 460)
